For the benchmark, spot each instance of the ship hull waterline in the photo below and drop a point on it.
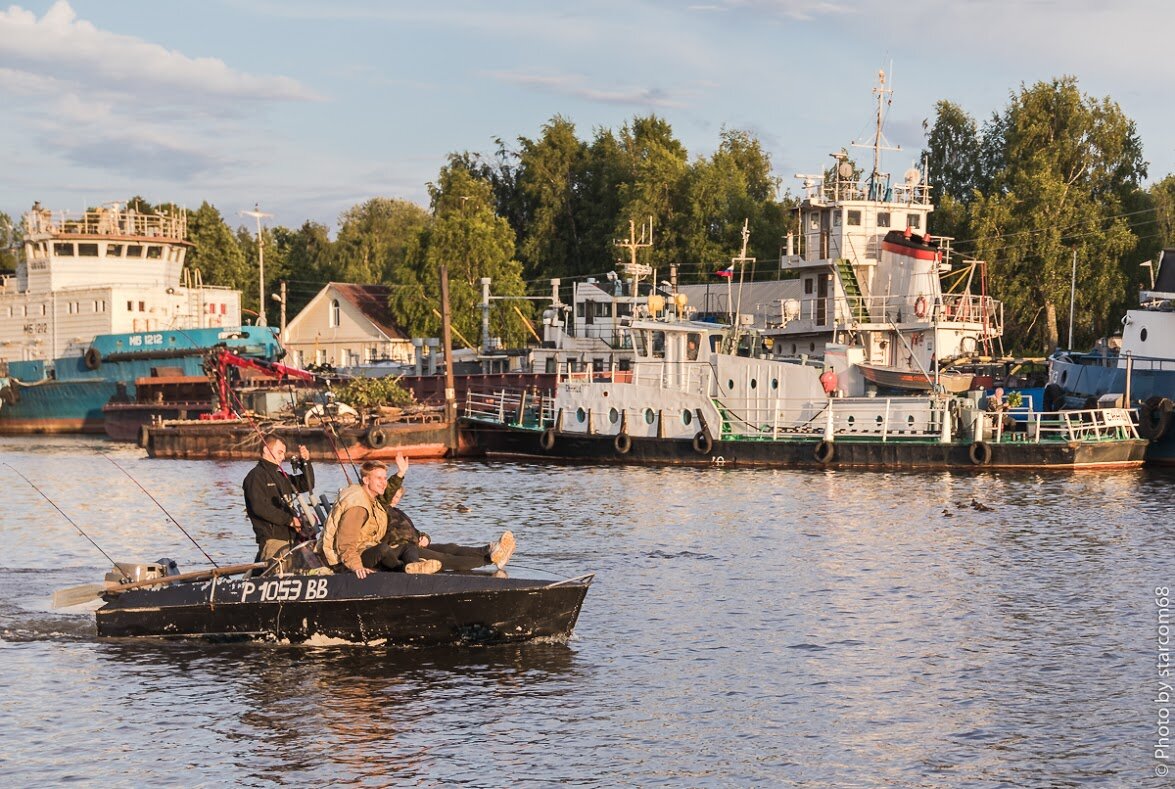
(497, 441)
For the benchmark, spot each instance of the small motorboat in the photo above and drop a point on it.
(385, 607)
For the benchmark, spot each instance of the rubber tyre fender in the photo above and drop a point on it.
(979, 453)
(9, 395)
(1053, 398)
(1154, 418)
(547, 439)
(622, 443)
(703, 443)
(92, 359)
(824, 453)
(376, 438)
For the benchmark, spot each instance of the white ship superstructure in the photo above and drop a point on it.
(872, 275)
(110, 270)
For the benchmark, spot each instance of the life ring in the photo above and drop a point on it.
(92, 359)
(9, 395)
(703, 443)
(547, 439)
(920, 306)
(824, 452)
(1053, 397)
(622, 443)
(376, 438)
(980, 453)
(1154, 417)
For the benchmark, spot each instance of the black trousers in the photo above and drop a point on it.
(450, 555)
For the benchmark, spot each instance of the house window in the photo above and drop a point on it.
(142, 306)
(808, 286)
(320, 356)
(883, 219)
(130, 306)
(914, 221)
(854, 218)
(333, 318)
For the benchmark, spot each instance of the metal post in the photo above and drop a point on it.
(447, 342)
(283, 314)
(485, 315)
(1072, 297)
(258, 214)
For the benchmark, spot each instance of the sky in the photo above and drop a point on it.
(308, 108)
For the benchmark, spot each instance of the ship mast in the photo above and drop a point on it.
(879, 143)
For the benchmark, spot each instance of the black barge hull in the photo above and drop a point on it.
(846, 452)
(399, 609)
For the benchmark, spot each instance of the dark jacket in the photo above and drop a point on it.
(401, 529)
(266, 487)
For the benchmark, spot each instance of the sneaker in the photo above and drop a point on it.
(423, 567)
(502, 549)
(500, 574)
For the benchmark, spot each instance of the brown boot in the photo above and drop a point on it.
(423, 567)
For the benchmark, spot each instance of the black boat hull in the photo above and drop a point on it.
(399, 609)
(847, 452)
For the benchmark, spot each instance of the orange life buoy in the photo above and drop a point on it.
(920, 307)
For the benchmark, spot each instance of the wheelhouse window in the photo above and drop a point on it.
(658, 345)
(640, 343)
(63, 250)
(883, 219)
(853, 218)
(692, 342)
(134, 251)
(914, 221)
(154, 252)
(114, 250)
(333, 318)
(87, 250)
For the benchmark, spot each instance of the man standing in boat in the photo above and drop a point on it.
(268, 489)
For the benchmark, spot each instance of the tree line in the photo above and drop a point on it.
(1054, 172)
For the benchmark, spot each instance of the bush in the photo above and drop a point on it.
(372, 392)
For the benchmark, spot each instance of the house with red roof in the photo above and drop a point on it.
(346, 325)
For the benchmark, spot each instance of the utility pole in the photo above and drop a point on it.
(447, 341)
(282, 301)
(258, 214)
(1072, 298)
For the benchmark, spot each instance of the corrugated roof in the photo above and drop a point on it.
(372, 301)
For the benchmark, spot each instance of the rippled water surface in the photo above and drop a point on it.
(745, 628)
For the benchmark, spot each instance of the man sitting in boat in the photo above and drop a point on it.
(998, 407)
(363, 534)
(267, 489)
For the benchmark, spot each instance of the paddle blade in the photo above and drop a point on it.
(76, 595)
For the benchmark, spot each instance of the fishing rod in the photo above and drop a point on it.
(165, 512)
(71, 522)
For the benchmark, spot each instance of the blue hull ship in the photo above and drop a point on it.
(67, 395)
(1142, 370)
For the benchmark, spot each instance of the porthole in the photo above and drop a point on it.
(851, 419)
(730, 384)
(880, 419)
(1142, 335)
(580, 415)
(910, 420)
(774, 383)
(812, 347)
(687, 418)
(754, 384)
(649, 416)
(614, 416)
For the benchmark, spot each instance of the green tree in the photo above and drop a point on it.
(466, 235)
(217, 256)
(655, 168)
(374, 238)
(10, 243)
(1066, 166)
(953, 152)
(307, 253)
(548, 175)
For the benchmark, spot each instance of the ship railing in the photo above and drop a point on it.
(527, 407)
(952, 308)
(107, 221)
(1085, 425)
(884, 418)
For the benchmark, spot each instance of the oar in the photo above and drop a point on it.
(76, 595)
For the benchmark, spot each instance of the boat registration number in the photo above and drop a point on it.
(145, 339)
(284, 590)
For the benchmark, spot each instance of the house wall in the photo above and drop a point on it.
(311, 339)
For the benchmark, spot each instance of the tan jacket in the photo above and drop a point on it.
(375, 526)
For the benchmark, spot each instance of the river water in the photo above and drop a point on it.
(746, 628)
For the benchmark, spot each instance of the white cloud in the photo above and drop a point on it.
(61, 45)
(578, 86)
